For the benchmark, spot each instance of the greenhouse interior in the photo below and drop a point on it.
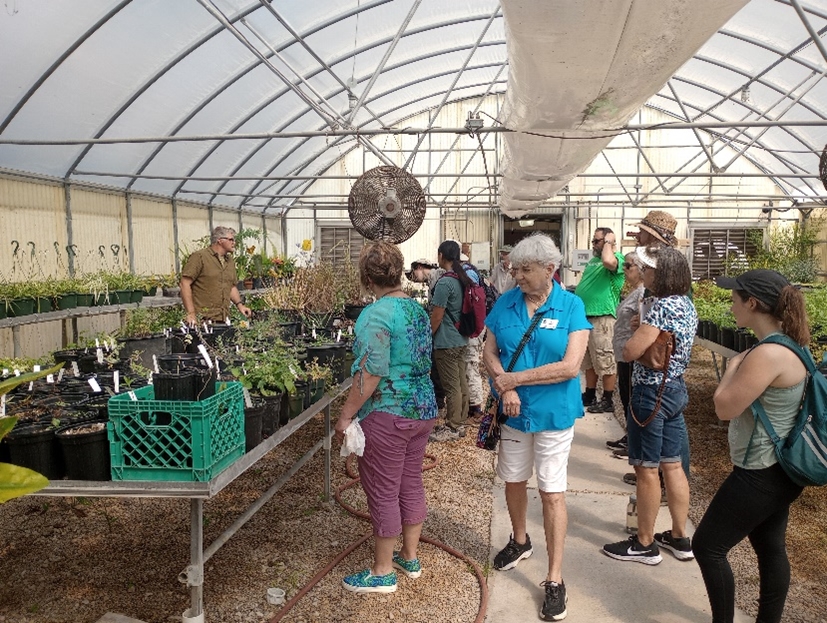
(285, 139)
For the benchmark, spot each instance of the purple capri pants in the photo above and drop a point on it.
(391, 471)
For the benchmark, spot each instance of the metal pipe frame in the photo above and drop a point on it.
(694, 130)
(816, 39)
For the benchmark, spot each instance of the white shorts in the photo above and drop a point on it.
(520, 453)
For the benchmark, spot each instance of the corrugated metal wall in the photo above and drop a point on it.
(153, 237)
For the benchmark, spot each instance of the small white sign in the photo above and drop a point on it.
(155, 363)
(31, 385)
(3, 405)
(36, 369)
(50, 378)
(248, 402)
(5, 371)
(132, 395)
(93, 383)
(580, 257)
(339, 335)
(16, 372)
(100, 355)
(206, 356)
(116, 377)
(75, 369)
(313, 333)
(60, 375)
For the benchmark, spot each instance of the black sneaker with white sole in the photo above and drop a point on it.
(681, 546)
(632, 550)
(623, 442)
(554, 604)
(512, 553)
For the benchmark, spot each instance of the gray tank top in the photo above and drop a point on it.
(782, 405)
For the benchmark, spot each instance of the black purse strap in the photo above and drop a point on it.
(534, 322)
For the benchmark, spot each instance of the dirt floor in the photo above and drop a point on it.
(73, 559)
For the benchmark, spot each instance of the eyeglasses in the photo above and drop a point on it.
(230, 239)
(596, 240)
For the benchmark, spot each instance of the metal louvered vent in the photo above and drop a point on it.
(386, 203)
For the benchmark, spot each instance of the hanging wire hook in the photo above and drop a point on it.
(101, 250)
(16, 246)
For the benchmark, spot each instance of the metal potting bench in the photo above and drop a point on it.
(197, 492)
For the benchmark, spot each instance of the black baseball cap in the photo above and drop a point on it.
(761, 283)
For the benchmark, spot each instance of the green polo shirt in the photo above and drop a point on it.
(212, 280)
(600, 288)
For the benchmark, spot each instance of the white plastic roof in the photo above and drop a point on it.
(139, 69)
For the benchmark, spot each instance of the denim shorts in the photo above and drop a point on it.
(659, 441)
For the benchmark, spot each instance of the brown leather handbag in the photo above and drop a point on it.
(656, 357)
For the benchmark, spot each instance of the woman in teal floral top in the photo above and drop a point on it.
(393, 398)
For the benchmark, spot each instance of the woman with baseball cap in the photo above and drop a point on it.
(754, 500)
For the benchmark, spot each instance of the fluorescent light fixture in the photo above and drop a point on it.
(526, 222)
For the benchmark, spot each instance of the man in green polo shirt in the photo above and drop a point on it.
(208, 280)
(599, 288)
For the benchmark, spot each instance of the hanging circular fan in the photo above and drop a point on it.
(822, 167)
(386, 203)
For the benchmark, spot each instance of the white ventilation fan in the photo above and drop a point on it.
(386, 203)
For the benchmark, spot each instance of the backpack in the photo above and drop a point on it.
(491, 292)
(472, 314)
(803, 454)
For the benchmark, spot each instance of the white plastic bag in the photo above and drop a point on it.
(354, 440)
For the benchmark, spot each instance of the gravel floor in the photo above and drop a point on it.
(73, 559)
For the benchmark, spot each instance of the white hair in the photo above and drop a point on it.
(539, 248)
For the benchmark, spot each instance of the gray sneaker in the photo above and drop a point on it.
(444, 433)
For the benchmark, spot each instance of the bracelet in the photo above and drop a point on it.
(237, 304)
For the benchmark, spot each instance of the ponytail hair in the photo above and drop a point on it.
(450, 251)
(792, 312)
(790, 309)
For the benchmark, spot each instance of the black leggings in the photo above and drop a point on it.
(751, 503)
(624, 383)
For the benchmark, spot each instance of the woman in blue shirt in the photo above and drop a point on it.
(393, 398)
(541, 397)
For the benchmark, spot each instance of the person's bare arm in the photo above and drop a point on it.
(563, 370)
(643, 337)
(186, 300)
(608, 254)
(235, 299)
(437, 314)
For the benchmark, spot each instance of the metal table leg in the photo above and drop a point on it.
(327, 457)
(193, 576)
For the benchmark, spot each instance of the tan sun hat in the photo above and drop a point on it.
(661, 225)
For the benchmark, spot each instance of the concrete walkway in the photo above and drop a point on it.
(600, 589)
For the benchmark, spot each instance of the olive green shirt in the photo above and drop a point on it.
(212, 280)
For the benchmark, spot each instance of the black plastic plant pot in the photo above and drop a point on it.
(145, 347)
(36, 447)
(136, 296)
(253, 424)
(352, 311)
(223, 331)
(44, 304)
(85, 451)
(85, 299)
(295, 403)
(728, 338)
(174, 385)
(204, 382)
(5, 457)
(303, 390)
(175, 362)
(271, 416)
(97, 403)
(316, 389)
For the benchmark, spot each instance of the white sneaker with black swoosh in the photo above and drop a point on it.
(631, 549)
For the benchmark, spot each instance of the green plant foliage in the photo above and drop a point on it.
(789, 250)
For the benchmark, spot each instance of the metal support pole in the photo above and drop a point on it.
(816, 39)
(175, 242)
(196, 556)
(327, 457)
(67, 193)
(129, 233)
(15, 336)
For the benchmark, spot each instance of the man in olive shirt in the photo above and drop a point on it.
(208, 280)
(599, 288)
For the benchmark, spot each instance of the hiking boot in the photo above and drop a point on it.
(631, 549)
(623, 442)
(630, 479)
(681, 547)
(411, 568)
(554, 604)
(588, 400)
(605, 405)
(444, 433)
(512, 553)
(364, 582)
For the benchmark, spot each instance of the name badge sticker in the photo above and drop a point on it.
(549, 323)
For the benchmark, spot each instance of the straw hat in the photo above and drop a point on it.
(661, 225)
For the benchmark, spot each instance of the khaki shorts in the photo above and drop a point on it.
(600, 354)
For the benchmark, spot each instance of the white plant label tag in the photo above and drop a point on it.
(75, 369)
(293, 370)
(5, 371)
(248, 402)
(339, 335)
(227, 320)
(97, 343)
(155, 363)
(36, 369)
(149, 378)
(31, 385)
(132, 395)
(116, 377)
(203, 350)
(16, 372)
(93, 383)
(206, 329)
(313, 333)
(112, 341)
(100, 355)
(350, 329)
(183, 327)
(3, 405)
(50, 378)
(60, 375)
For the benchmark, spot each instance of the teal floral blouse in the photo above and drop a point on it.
(393, 341)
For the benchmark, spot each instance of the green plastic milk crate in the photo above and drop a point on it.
(165, 440)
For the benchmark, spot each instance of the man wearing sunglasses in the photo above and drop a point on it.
(208, 280)
(599, 288)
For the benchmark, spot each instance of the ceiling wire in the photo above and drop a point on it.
(355, 39)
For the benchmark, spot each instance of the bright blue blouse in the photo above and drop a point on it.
(393, 337)
(543, 407)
